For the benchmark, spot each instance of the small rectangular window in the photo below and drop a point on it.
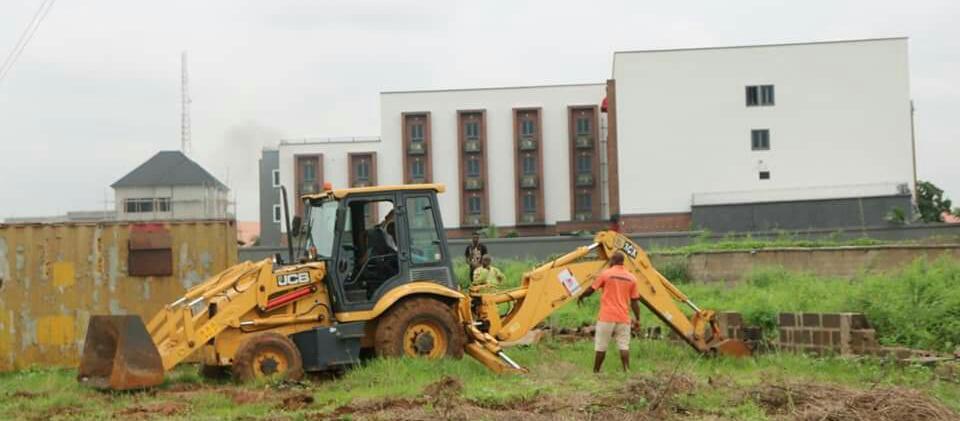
(764, 175)
(529, 165)
(529, 203)
(416, 132)
(275, 175)
(474, 205)
(473, 167)
(584, 202)
(139, 205)
(584, 163)
(760, 139)
(416, 169)
(472, 130)
(277, 215)
(760, 95)
(583, 126)
(163, 204)
(766, 95)
(527, 127)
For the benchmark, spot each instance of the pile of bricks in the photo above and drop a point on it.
(820, 333)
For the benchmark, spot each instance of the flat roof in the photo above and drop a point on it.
(790, 44)
(567, 85)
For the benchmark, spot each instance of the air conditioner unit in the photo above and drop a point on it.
(584, 141)
(528, 143)
(528, 182)
(416, 148)
(585, 180)
(473, 183)
(471, 145)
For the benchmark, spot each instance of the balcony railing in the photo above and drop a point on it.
(529, 218)
(583, 216)
(308, 187)
(361, 183)
(473, 183)
(471, 145)
(584, 141)
(528, 182)
(473, 221)
(528, 143)
(584, 180)
(417, 147)
(418, 179)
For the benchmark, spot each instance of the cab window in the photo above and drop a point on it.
(424, 239)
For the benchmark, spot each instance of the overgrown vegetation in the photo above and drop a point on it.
(916, 307)
(931, 203)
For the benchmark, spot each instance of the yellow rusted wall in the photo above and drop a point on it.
(54, 276)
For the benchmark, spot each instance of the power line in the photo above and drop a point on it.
(25, 37)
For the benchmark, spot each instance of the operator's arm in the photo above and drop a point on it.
(635, 303)
(592, 288)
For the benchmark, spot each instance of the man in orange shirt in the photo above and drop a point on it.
(619, 289)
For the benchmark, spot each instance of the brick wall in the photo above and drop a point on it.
(661, 222)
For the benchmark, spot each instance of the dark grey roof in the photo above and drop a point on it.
(168, 168)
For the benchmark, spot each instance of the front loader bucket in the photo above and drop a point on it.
(119, 354)
(731, 348)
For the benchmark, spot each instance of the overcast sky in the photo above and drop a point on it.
(97, 91)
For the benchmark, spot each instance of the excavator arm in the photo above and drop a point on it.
(552, 285)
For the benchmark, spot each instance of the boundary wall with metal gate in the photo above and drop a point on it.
(53, 277)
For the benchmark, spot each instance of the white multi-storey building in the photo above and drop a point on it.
(813, 135)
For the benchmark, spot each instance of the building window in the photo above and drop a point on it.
(416, 132)
(163, 204)
(760, 95)
(474, 205)
(529, 165)
(529, 203)
(362, 169)
(309, 172)
(764, 175)
(584, 163)
(472, 130)
(275, 176)
(277, 215)
(760, 139)
(584, 202)
(139, 205)
(473, 167)
(527, 128)
(583, 126)
(416, 170)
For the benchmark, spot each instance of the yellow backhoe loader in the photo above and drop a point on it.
(357, 284)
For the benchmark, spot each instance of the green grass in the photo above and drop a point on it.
(557, 370)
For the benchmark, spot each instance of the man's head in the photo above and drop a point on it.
(616, 259)
(486, 260)
(476, 238)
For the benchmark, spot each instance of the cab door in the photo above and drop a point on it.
(425, 249)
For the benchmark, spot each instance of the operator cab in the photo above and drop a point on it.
(375, 239)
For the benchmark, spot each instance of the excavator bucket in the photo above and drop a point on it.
(731, 348)
(119, 354)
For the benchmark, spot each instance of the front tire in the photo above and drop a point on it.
(267, 355)
(420, 327)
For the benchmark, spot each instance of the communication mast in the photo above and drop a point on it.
(184, 106)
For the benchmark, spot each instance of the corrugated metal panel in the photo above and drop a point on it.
(54, 276)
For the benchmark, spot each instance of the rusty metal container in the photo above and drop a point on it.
(53, 277)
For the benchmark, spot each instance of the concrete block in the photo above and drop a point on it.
(831, 320)
(811, 320)
(788, 320)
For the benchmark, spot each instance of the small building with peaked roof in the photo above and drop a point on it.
(170, 186)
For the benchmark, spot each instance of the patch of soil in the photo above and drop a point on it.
(241, 397)
(161, 409)
(23, 394)
(814, 401)
(294, 402)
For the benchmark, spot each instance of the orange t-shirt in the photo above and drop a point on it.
(619, 287)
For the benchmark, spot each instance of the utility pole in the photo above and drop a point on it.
(184, 106)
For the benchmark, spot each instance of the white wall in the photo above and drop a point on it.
(499, 104)
(842, 118)
(186, 202)
(336, 163)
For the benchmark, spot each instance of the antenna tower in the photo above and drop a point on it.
(184, 106)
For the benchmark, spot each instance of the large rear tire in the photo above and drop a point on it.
(267, 355)
(420, 327)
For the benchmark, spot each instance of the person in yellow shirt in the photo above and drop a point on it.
(486, 276)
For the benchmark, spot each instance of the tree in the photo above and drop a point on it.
(930, 202)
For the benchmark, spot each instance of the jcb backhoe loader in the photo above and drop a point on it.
(361, 285)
